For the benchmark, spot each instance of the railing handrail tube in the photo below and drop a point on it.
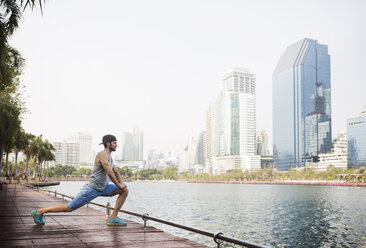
(147, 217)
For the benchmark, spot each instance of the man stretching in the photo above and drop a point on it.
(98, 185)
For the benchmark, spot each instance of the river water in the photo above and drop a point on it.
(273, 215)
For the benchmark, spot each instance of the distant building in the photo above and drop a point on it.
(75, 151)
(155, 159)
(192, 159)
(336, 158)
(230, 162)
(233, 141)
(301, 105)
(209, 138)
(356, 132)
(267, 162)
(72, 154)
(262, 143)
(84, 142)
(60, 152)
(132, 145)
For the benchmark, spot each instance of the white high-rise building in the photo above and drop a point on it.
(60, 153)
(132, 145)
(72, 154)
(209, 138)
(262, 143)
(234, 128)
(84, 141)
(192, 159)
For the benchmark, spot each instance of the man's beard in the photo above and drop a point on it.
(111, 149)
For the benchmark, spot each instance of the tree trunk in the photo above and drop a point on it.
(35, 166)
(7, 164)
(26, 167)
(16, 162)
(1, 161)
(40, 171)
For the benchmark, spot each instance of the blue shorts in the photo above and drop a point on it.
(87, 194)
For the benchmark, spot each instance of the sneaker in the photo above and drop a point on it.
(116, 222)
(38, 218)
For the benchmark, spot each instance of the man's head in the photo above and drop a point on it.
(109, 141)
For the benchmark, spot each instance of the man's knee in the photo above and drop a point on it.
(123, 191)
(67, 209)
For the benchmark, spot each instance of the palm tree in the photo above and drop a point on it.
(35, 148)
(27, 151)
(9, 124)
(19, 145)
(45, 154)
(10, 59)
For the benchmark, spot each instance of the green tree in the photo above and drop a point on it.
(19, 145)
(170, 172)
(125, 172)
(10, 112)
(35, 148)
(235, 174)
(82, 172)
(29, 138)
(10, 59)
(45, 153)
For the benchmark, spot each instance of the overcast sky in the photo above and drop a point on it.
(102, 66)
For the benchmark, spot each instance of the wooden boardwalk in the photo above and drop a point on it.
(84, 227)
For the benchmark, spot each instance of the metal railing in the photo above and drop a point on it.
(218, 237)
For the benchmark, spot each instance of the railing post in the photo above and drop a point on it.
(55, 193)
(108, 209)
(215, 239)
(144, 218)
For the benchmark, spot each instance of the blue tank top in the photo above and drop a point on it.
(100, 179)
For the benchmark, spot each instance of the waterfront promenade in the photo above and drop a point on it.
(85, 227)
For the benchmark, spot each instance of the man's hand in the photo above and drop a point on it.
(122, 186)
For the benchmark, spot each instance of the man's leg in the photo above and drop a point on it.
(123, 193)
(85, 195)
(54, 209)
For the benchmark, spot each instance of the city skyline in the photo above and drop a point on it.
(161, 65)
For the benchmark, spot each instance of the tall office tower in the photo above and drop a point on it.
(262, 143)
(356, 134)
(301, 105)
(192, 159)
(209, 138)
(132, 145)
(85, 146)
(200, 153)
(234, 137)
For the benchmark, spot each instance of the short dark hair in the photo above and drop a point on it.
(108, 138)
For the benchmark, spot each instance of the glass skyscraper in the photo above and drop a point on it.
(301, 105)
(356, 133)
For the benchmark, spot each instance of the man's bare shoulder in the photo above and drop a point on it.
(101, 156)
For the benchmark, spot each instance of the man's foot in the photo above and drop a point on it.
(38, 218)
(116, 222)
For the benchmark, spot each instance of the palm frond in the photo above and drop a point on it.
(32, 4)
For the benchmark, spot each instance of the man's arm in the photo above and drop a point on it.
(103, 158)
(118, 176)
